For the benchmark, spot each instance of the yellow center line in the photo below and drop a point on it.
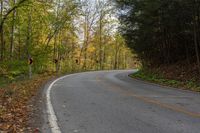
(168, 106)
(152, 101)
(97, 78)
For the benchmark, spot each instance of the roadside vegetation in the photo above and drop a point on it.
(43, 38)
(40, 39)
(165, 35)
(15, 105)
(159, 78)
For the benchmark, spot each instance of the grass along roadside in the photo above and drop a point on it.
(160, 79)
(14, 98)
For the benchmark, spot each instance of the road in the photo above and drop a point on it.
(112, 102)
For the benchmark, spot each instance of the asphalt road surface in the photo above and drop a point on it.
(112, 102)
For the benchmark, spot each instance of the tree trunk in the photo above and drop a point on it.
(195, 35)
(116, 55)
(100, 41)
(196, 47)
(86, 42)
(12, 33)
(28, 42)
(2, 33)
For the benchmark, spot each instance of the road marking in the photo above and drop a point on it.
(168, 106)
(156, 96)
(152, 101)
(50, 111)
(97, 78)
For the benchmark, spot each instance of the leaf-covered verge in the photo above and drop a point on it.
(176, 75)
(14, 103)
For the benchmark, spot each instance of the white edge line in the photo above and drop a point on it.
(50, 111)
(52, 119)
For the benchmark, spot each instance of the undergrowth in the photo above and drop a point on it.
(160, 79)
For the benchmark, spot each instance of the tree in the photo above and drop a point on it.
(4, 18)
(161, 32)
(57, 36)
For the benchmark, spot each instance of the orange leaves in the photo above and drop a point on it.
(14, 99)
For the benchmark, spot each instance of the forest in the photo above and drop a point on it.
(165, 35)
(59, 36)
(43, 39)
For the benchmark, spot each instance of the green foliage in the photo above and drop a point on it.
(161, 31)
(157, 78)
(12, 71)
(149, 76)
(58, 36)
(192, 84)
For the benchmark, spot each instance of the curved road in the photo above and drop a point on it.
(112, 102)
